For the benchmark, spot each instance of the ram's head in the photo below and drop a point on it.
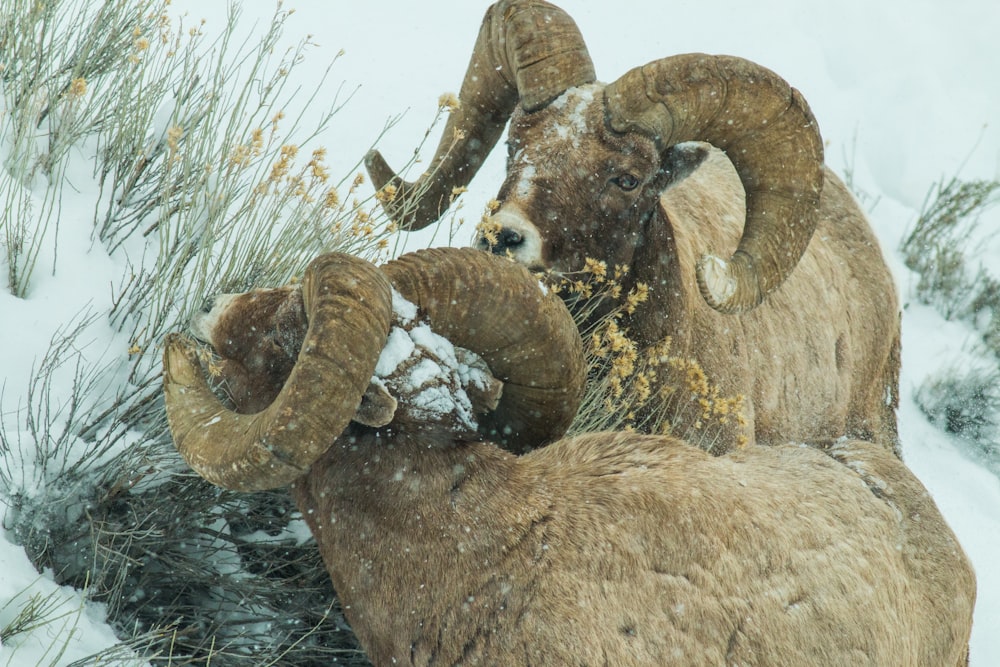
(334, 332)
(595, 159)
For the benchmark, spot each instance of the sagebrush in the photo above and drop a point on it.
(202, 179)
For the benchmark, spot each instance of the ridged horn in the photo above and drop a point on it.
(498, 310)
(349, 307)
(527, 50)
(768, 132)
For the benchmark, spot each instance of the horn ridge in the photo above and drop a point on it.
(768, 132)
(349, 308)
(526, 50)
(497, 309)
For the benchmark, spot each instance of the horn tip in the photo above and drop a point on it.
(719, 285)
(180, 361)
(378, 169)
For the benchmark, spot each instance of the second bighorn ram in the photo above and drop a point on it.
(603, 549)
(802, 318)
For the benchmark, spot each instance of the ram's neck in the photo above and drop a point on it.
(702, 213)
(419, 541)
(665, 311)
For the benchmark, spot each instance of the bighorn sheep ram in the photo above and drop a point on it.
(603, 549)
(802, 320)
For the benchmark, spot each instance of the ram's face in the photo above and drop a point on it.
(574, 188)
(258, 335)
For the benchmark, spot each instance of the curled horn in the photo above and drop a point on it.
(349, 306)
(527, 50)
(768, 132)
(498, 310)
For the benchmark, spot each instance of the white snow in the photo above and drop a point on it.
(423, 371)
(523, 188)
(404, 311)
(576, 124)
(398, 347)
(905, 94)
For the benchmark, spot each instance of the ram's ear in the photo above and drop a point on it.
(377, 407)
(679, 161)
(484, 396)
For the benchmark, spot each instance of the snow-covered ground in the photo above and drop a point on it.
(905, 92)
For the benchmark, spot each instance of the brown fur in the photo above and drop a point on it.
(818, 359)
(597, 172)
(617, 549)
(624, 549)
(258, 335)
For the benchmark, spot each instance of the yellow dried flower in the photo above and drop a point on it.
(449, 101)
(387, 193)
(597, 268)
(489, 229)
(597, 345)
(642, 388)
(240, 156)
(174, 135)
(280, 168)
(257, 140)
(297, 188)
(77, 88)
(331, 199)
(696, 380)
(615, 383)
(318, 170)
(637, 295)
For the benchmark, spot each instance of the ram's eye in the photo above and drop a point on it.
(626, 182)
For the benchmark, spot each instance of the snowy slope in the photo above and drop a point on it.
(905, 93)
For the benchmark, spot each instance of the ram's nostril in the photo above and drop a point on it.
(500, 242)
(508, 238)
